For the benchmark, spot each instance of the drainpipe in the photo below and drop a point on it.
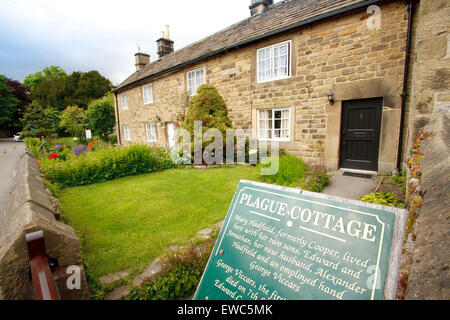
(405, 83)
(118, 121)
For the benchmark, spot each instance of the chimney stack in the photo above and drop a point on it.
(258, 6)
(165, 45)
(142, 59)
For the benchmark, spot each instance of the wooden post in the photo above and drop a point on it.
(43, 284)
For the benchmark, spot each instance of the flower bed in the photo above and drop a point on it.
(88, 167)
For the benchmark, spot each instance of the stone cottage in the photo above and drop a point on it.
(325, 78)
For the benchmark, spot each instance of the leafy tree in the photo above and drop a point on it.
(53, 116)
(52, 86)
(90, 86)
(73, 119)
(50, 91)
(101, 116)
(8, 103)
(39, 121)
(22, 95)
(210, 108)
(32, 80)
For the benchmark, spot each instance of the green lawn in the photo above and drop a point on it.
(130, 221)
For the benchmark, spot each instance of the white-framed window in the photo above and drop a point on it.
(150, 129)
(147, 93)
(274, 62)
(195, 78)
(123, 98)
(126, 133)
(274, 124)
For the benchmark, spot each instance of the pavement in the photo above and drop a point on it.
(350, 187)
(9, 163)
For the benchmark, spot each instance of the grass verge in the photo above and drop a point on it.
(127, 223)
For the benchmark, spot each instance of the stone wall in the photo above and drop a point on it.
(426, 259)
(341, 54)
(29, 209)
(429, 92)
(429, 272)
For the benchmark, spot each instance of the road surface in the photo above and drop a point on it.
(9, 163)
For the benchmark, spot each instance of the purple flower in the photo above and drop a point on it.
(58, 146)
(81, 149)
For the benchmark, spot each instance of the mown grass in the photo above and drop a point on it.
(128, 222)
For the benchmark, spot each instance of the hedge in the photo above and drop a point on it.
(105, 164)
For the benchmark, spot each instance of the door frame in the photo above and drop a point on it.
(168, 125)
(378, 129)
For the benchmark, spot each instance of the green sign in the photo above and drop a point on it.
(279, 244)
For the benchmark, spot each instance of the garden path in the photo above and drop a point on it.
(350, 187)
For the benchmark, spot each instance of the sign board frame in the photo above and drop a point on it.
(396, 242)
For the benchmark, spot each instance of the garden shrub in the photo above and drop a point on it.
(101, 116)
(105, 164)
(112, 139)
(180, 278)
(209, 107)
(317, 178)
(33, 145)
(291, 172)
(383, 198)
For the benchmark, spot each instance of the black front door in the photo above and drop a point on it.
(360, 134)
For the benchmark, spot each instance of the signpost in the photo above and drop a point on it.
(280, 243)
(88, 134)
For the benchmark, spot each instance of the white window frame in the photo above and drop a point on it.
(197, 84)
(273, 110)
(150, 130)
(272, 48)
(147, 94)
(124, 101)
(127, 133)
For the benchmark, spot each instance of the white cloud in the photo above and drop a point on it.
(103, 35)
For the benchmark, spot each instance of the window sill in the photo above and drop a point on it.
(273, 80)
(275, 140)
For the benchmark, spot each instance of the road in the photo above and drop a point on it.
(9, 163)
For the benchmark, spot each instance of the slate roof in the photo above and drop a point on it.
(279, 17)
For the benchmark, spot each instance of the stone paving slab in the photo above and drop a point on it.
(118, 293)
(110, 278)
(350, 187)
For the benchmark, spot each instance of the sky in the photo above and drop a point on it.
(102, 35)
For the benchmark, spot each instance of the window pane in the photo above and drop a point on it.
(150, 93)
(277, 114)
(277, 124)
(124, 101)
(276, 133)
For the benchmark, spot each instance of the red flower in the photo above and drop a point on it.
(53, 156)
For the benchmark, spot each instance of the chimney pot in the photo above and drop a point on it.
(167, 32)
